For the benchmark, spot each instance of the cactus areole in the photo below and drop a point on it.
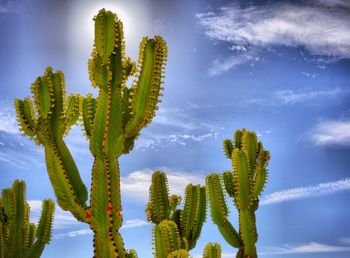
(112, 121)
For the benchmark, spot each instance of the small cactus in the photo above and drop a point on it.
(187, 222)
(212, 250)
(18, 237)
(244, 185)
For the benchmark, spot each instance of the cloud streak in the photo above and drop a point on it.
(331, 133)
(308, 248)
(307, 192)
(321, 27)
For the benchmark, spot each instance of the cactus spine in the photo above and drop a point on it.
(18, 237)
(244, 185)
(176, 231)
(112, 122)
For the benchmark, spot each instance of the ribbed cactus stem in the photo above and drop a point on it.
(112, 122)
(245, 184)
(212, 250)
(18, 237)
(189, 221)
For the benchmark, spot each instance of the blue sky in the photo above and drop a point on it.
(280, 68)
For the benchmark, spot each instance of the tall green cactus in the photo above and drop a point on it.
(244, 185)
(112, 122)
(18, 237)
(185, 224)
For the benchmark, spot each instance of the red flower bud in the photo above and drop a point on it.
(88, 214)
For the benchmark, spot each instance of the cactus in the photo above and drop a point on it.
(112, 122)
(244, 185)
(212, 250)
(18, 237)
(162, 211)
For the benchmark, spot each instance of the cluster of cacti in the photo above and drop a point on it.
(18, 237)
(176, 231)
(112, 122)
(244, 184)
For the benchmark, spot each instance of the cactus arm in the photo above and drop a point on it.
(242, 179)
(219, 211)
(26, 118)
(62, 187)
(218, 206)
(88, 114)
(19, 194)
(159, 197)
(228, 148)
(43, 232)
(228, 180)
(193, 214)
(146, 90)
(73, 110)
(250, 146)
(212, 250)
(229, 233)
(167, 238)
(260, 180)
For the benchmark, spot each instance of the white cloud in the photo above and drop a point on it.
(295, 96)
(220, 66)
(133, 223)
(331, 133)
(8, 121)
(175, 126)
(307, 192)
(136, 184)
(345, 240)
(311, 247)
(18, 159)
(319, 28)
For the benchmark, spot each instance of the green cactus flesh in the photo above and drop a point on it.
(244, 184)
(212, 250)
(18, 237)
(112, 121)
(163, 208)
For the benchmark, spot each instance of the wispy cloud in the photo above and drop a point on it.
(220, 66)
(8, 122)
(175, 126)
(136, 184)
(307, 192)
(133, 223)
(304, 95)
(321, 27)
(300, 96)
(311, 247)
(331, 133)
(8, 6)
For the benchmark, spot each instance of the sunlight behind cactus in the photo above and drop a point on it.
(18, 237)
(244, 185)
(112, 122)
